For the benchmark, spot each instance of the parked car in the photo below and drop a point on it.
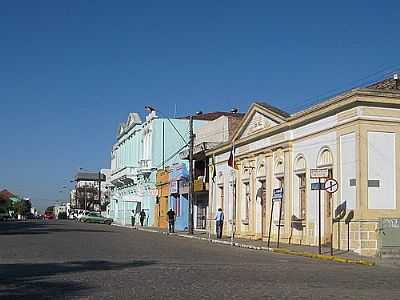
(95, 217)
(81, 214)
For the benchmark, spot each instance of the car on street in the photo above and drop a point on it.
(95, 217)
(82, 213)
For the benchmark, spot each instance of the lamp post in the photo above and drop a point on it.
(191, 190)
(191, 146)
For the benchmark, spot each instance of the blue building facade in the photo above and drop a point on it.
(179, 190)
(142, 148)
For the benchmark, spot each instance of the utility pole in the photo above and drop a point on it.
(100, 191)
(191, 190)
(84, 188)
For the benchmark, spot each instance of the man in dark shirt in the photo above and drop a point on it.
(171, 220)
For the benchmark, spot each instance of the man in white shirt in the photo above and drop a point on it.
(219, 222)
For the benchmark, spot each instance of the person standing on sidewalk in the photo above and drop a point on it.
(219, 222)
(142, 217)
(171, 221)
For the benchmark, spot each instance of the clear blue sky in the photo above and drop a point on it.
(71, 71)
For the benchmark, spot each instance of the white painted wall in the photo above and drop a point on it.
(348, 169)
(310, 150)
(381, 166)
(314, 127)
(215, 131)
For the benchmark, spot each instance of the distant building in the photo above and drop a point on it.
(62, 208)
(86, 193)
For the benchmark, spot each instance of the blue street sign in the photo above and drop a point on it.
(315, 186)
(277, 194)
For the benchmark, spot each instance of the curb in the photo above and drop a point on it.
(338, 259)
(325, 257)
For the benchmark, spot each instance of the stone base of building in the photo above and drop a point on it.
(363, 237)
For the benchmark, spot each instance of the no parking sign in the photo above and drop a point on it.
(331, 185)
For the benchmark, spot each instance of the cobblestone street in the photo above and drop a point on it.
(68, 260)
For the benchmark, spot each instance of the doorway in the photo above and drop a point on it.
(263, 200)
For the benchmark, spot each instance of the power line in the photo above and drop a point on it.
(380, 74)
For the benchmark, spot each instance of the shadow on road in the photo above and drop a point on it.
(33, 281)
(40, 227)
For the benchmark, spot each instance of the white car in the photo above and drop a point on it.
(82, 213)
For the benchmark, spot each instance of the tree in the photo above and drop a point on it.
(22, 207)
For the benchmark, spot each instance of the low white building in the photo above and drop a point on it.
(354, 137)
(62, 208)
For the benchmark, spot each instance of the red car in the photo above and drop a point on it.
(48, 215)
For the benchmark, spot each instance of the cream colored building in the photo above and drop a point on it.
(356, 136)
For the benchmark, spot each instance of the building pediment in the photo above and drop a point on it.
(260, 117)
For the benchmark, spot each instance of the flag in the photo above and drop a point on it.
(212, 170)
(231, 160)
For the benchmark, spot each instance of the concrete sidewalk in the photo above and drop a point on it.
(292, 249)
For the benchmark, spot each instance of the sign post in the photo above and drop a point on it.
(276, 196)
(331, 186)
(347, 221)
(318, 174)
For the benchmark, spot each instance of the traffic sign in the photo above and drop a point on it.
(277, 194)
(331, 185)
(315, 186)
(319, 173)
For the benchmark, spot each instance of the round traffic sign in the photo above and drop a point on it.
(331, 185)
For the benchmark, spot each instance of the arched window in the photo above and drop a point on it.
(279, 168)
(261, 169)
(300, 171)
(262, 187)
(325, 158)
(300, 164)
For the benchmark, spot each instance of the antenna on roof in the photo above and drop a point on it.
(234, 110)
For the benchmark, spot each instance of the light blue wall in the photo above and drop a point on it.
(172, 141)
(182, 214)
(130, 153)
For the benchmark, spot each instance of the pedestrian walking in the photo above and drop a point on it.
(142, 217)
(171, 221)
(219, 222)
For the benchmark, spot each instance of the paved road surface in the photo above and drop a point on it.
(67, 260)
